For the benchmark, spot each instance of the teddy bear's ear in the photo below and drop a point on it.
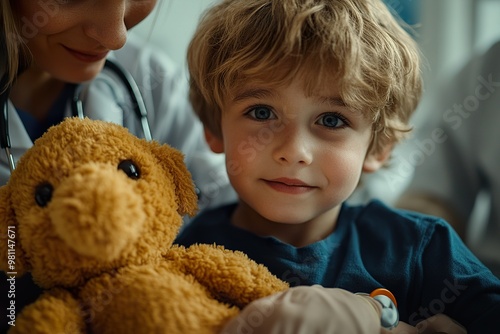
(10, 248)
(173, 161)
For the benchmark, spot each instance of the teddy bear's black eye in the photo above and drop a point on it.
(130, 168)
(43, 194)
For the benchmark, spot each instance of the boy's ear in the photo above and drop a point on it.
(214, 142)
(375, 160)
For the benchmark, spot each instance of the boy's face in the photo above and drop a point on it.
(293, 158)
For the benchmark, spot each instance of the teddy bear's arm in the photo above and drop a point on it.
(56, 311)
(232, 275)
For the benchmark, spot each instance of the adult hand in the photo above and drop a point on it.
(306, 310)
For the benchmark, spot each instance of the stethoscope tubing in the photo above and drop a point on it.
(77, 108)
(4, 129)
(134, 92)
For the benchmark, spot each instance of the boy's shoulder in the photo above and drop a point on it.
(376, 209)
(378, 216)
(401, 236)
(209, 223)
(220, 215)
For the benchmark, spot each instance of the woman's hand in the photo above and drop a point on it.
(314, 309)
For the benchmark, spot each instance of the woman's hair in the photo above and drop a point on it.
(357, 44)
(12, 47)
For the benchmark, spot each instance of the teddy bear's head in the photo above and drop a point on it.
(89, 197)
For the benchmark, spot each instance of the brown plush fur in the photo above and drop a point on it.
(103, 248)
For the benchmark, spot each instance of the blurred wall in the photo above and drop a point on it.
(452, 30)
(171, 26)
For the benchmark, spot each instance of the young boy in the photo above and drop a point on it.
(303, 96)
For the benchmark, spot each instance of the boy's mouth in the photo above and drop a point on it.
(289, 186)
(290, 182)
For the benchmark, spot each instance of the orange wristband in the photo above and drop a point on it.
(384, 292)
(389, 317)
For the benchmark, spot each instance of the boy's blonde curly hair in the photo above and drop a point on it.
(357, 44)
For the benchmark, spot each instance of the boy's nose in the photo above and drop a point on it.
(293, 146)
(106, 24)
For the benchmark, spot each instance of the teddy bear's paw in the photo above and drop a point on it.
(54, 312)
(153, 299)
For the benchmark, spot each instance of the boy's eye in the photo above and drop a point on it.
(332, 121)
(261, 113)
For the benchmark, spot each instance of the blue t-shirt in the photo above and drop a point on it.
(419, 258)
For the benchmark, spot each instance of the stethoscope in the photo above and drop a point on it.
(77, 108)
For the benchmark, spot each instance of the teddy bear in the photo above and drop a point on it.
(92, 212)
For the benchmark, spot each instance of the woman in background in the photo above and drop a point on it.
(53, 50)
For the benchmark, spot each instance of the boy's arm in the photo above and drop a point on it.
(316, 309)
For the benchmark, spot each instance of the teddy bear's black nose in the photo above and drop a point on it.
(130, 168)
(43, 194)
